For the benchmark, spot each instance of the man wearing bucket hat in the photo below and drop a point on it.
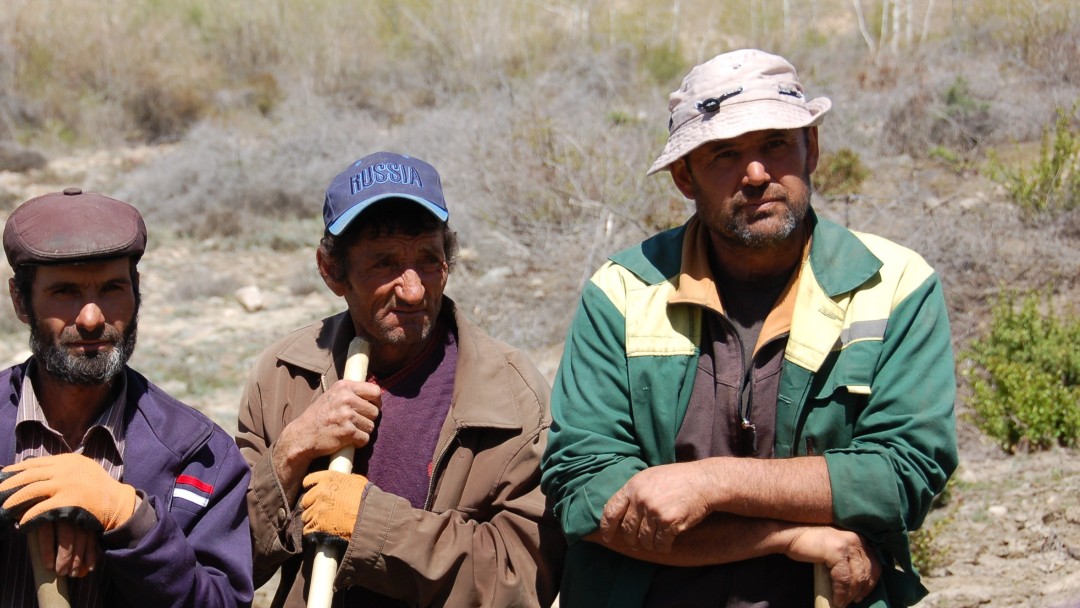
(755, 391)
(133, 496)
(443, 507)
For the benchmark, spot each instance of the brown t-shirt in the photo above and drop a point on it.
(732, 412)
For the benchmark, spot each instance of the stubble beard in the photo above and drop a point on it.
(739, 229)
(87, 369)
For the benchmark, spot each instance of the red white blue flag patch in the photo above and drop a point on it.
(193, 490)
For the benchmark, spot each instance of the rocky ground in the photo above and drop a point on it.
(1008, 536)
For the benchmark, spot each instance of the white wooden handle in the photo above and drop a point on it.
(52, 590)
(822, 587)
(325, 565)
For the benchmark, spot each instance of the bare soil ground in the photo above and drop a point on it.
(1009, 536)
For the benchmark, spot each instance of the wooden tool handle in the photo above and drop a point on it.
(52, 590)
(324, 567)
(822, 587)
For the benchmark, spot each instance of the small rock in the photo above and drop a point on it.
(964, 597)
(494, 276)
(998, 510)
(970, 203)
(251, 298)
(173, 387)
(969, 475)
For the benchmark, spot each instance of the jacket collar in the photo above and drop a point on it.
(840, 261)
(481, 378)
(158, 426)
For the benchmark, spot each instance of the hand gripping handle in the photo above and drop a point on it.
(324, 567)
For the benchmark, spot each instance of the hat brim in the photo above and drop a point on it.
(736, 120)
(338, 226)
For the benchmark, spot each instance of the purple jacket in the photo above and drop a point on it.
(196, 556)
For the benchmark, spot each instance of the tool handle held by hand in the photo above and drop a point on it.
(822, 587)
(52, 591)
(324, 567)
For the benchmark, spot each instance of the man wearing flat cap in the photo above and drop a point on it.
(443, 506)
(755, 391)
(132, 498)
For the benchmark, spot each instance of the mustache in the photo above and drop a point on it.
(72, 335)
(751, 194)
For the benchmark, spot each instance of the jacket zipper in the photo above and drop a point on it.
(743, 418)
(435, 469)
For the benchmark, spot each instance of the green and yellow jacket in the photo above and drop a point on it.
(867, 381)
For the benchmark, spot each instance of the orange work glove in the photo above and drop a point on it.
(67, 486)
(331, 504)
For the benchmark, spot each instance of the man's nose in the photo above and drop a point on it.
(756, 174)
(410, 288)
(90, 317)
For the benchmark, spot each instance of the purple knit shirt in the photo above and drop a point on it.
(415, 401)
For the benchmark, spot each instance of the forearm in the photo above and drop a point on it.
(791, 489)
(275, 531)
(513, 559)
(290, 464)
(160, 565)
(719, 539)
(722, 539)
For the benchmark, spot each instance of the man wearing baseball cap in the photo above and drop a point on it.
(756, 391)
(131, 497)
(443, 507)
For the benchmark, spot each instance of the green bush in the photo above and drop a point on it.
(840, 173)
(926, 553)
(1025, 377)
(1052, 184)
(954, 161)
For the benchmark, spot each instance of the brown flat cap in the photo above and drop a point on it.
(72, 226)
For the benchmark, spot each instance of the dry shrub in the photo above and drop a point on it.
(227, 186)
(542, 118)
(166, 105)
(1044, 36)
(139, 70)
(840, 172)
(955, 119)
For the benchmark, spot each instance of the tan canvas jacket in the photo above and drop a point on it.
(487, 537)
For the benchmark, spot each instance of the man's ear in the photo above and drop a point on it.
(17, 302)
(812, 153)
(327, 269)
(684, 181)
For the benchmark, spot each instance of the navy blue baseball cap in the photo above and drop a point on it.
(377, 177)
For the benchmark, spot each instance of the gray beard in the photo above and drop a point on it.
(742, 234)
(85, 370)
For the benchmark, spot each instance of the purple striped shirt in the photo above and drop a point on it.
(104, 444)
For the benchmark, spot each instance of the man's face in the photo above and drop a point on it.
(83, 320)
(752, 191)
(394, 286)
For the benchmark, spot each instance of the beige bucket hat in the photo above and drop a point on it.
(735, 93)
